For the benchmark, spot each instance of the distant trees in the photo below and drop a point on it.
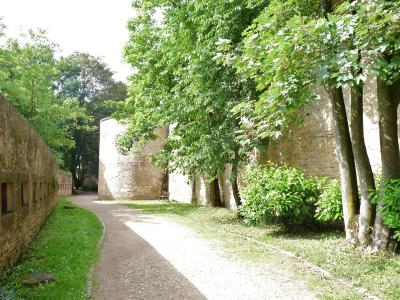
(90, 81)
(64, 99)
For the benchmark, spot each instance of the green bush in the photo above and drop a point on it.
(389, 197)
(329, 205)
(275, 194)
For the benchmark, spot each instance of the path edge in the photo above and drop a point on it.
(90, 275)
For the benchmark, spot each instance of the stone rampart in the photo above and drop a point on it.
(28, 183)
(311, 146)
(127, 177)
(186, 189)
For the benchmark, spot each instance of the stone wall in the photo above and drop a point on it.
(127, 176)
(64, 180)
(311, 145)
(185, 189)
(28, 189)
(180, 188)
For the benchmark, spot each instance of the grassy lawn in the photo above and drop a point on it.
(377, 273)
(65, 247)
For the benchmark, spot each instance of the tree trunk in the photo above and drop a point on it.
(347, 170)
(388, 102)
(235, 192)
(364, 170)
(235, 185)
(326, 7)
(194, 194)
(216, 195)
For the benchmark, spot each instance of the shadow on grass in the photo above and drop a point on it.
(307, 233)
(222, 216)
(164, 207)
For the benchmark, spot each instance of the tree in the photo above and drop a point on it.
(378, 34)
(186, 88)
(88, 80)
(28, 70)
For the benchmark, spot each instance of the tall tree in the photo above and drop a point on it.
(88, 80)
(186, 88)
(344, 145)
(28, 70)
(379, 34)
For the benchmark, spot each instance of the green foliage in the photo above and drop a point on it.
(292, 46)
(62, 98)
(272, 55)
(282, 194)
(87, 80)
(83, 77)
(275, 194)
(178, 83)
(389, 198)
(329, 204)
(28, 69)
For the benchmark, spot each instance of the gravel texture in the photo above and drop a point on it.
(145, 256)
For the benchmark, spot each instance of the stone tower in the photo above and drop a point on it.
(127, 177)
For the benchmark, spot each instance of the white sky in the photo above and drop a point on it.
(98, 27)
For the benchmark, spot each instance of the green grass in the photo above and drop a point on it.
(377, 273)
(65, 247)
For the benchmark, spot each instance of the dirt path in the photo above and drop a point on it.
(151, 257)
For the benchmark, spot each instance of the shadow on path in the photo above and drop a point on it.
(128, 266)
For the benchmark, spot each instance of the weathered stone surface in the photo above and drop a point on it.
(28, 171)
(184, 189)
(33, 279)
(311, 146)
(180, 188)
(127, 176)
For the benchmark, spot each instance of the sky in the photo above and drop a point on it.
(98, 27)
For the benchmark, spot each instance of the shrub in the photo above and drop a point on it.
(389, 197)
(329, 205)
(275, 194)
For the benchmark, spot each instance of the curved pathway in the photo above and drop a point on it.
(145, 256)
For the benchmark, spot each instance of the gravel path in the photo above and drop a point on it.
(150, 257)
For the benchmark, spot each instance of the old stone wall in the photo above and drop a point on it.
(127, 176)
(180, 188)
(28, 184)
(64, 180)
(185, 189)
(311, 145)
